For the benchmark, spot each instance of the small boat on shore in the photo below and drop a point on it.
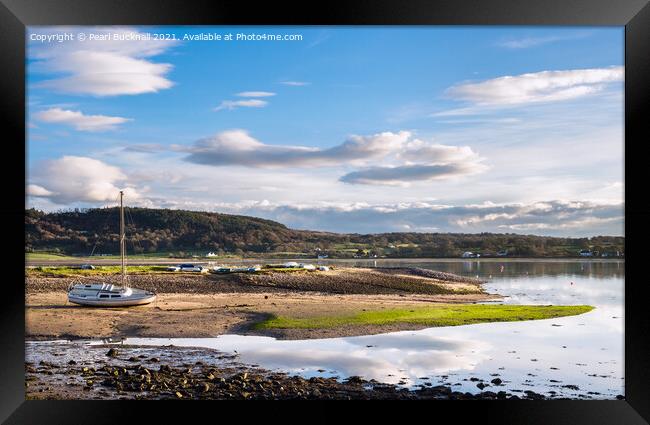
(108, 295)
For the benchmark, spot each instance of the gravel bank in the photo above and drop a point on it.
(337, 281)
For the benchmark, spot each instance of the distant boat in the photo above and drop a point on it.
(106, 294)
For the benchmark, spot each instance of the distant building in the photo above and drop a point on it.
(586, 253)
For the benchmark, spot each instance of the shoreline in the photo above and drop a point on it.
(153, 261)
(109, 372)
(201, 305)
(298, 305)
(67, 359)
(187, 315)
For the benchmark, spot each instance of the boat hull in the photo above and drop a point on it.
(122, 302)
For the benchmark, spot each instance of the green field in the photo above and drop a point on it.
(98, 271)
(41, 256)
(441, 315)
(38, 256)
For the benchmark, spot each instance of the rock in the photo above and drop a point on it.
(620, 397)
(154, 360)
(496, 381)
(112, 352)
(354, 380)
(481, 385)
(178, 394)
(71, 362)
(533, 395)
(571, 387)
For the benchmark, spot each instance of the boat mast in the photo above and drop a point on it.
(122, 238)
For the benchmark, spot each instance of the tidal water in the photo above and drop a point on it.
(578, 356)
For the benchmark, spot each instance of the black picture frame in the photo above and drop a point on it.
(15, 15)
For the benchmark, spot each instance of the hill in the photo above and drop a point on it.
(96, 231)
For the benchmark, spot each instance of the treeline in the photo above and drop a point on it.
(96, 231)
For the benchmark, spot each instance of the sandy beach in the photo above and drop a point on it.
(210, 305)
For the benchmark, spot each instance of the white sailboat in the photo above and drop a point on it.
(106, 294)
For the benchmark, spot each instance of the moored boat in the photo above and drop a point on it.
(100, 294)
(108, 295)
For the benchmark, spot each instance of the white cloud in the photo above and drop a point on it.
(404, 158)
(295, 83)
(237, 147)
(528, 42)
(581, 223)
(256, 94)
(557, 217)
(524, 43)
(74, 179)
(80, 121)
(234, 104)
(36, 190)
(545, 86)
(113, 66)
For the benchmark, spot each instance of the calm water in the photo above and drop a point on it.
(583, 351)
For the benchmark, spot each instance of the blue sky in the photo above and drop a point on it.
(435, 129)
